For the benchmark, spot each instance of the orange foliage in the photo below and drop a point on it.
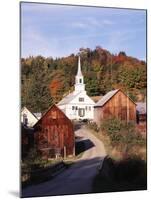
(54, 87)
(119, 59)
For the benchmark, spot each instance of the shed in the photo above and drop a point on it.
(27, 140)
(54, 134)
(115, 104)
(141, 112)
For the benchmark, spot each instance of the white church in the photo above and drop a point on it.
(78, 105)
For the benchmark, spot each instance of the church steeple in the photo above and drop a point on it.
(79, 80)
(79, 73)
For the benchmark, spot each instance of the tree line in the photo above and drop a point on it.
(46, 80)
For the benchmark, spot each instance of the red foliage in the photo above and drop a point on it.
(119, 59)
(54, 86)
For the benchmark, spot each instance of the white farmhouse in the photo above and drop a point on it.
(78, 105)
(28, 118)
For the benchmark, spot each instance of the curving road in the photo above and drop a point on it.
(79, 177)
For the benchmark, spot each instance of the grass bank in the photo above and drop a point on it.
(124, 168)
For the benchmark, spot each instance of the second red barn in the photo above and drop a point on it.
(115, 104)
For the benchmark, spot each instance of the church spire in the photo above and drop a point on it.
(79, 73)
(79, 80)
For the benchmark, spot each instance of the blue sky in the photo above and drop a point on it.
(58, 30)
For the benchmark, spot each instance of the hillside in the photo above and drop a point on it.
(47, 80)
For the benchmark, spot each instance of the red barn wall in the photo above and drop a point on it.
(55, 133)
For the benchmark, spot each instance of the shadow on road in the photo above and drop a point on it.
(77, 179)
(83, 145)
(124, 175)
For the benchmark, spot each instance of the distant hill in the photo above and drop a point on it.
(47, 80)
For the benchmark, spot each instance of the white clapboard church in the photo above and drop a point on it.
(78, 105)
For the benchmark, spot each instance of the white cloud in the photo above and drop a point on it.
(107, 22)
(78, 25)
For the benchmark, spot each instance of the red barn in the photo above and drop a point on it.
(54, 134)
(115, 104)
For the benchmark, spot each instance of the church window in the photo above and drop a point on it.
(76, 107)
(89, 108)
(80, 80)
(86, 108)
(72, 107)
(81, 99)
(81, 112)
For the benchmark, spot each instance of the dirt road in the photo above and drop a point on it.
(79, 177)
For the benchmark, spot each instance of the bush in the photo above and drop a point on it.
(111, 126)
(34, 158)
(122, 135)
(93, 126)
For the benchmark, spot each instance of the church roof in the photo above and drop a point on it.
(106, 97)
(68, 98)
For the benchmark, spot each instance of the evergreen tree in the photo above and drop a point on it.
(38, 97)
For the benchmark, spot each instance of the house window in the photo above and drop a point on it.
(25, 119)
(81, 99)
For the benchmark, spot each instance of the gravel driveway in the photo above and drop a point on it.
(78, 178)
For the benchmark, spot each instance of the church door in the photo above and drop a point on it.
(81, 112)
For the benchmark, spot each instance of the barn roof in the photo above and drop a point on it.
(141, 107)
(107, 97)
(48, 111)
(68, 98)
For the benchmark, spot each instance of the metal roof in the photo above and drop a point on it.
(25, 108)
(141, 107)
(38, 115)
(105, 98)
(68, 98)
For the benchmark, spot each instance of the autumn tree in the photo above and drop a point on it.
(47, 80)
(38, 97)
